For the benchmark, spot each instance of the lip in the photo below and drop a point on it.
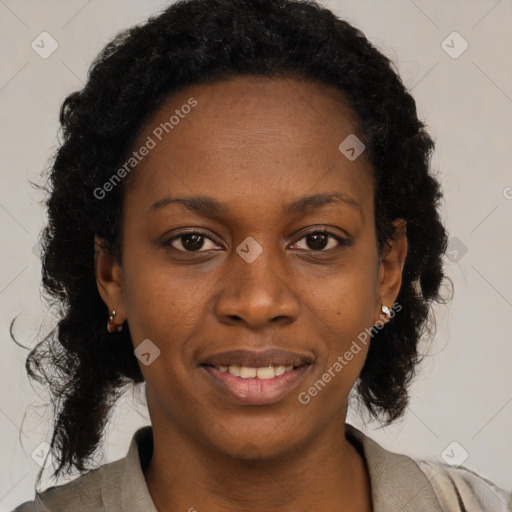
(258, 359)
(256, 391)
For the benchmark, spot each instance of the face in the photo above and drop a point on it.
(249, 245)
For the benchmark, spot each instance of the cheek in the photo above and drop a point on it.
(341, 306)
(343, 314)
(157, 299)
(344, 300)
(170, 308)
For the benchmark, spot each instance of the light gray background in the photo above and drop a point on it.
(464, 391)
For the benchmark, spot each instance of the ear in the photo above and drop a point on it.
(109, 280)
(392, 262)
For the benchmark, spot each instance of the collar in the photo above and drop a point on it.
(397, 482)
(124, 486)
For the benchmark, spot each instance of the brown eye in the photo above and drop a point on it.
(192, 242)
(320, 241)
(317, 241)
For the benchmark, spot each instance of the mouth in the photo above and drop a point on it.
(256, 378)
(250, 372)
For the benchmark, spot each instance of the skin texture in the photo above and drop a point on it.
(255, 144)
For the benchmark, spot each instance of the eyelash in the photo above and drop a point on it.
(341, 241)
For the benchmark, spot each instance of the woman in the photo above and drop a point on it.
(241, 215)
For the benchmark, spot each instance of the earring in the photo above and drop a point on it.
(112, 326)
(386, 311)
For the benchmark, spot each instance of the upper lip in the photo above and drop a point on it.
(258, 359)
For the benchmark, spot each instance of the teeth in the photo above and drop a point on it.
(279, 370)
(265, 372)
(248, 373)
(234, 369)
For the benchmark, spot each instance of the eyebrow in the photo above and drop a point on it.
(208, 206)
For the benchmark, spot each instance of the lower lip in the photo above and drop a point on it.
(257, 391)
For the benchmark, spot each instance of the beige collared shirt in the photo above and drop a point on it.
(398, 484)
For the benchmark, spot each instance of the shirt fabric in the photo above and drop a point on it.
(398, 484)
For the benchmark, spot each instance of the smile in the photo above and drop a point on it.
(263, 373)
(255, 386)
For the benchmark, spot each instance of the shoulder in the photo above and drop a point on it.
(462, 490)
(104, 488)
(83, 494)
(400, 482)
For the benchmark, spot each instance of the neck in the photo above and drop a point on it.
(327, 473)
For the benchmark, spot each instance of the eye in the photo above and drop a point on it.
(198, 242)
(192, 241)
(320, 241)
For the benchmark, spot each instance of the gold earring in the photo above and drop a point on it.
(112, 326)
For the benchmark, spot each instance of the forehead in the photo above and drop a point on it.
(249, 134)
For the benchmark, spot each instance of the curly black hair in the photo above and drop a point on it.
(85, 368)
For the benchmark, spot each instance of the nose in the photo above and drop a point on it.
(256, 294)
